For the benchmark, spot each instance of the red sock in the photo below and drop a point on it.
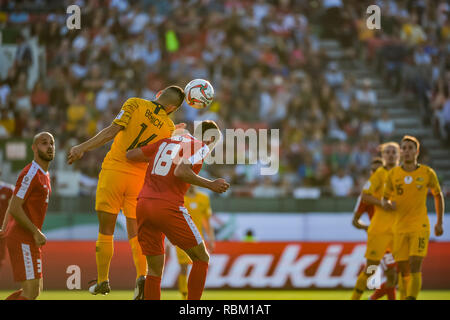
(152, 289)
(21, 298)
(379, 293)
(390, 293)
(197, 278)
(14, 295)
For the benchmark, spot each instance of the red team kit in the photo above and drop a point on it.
(33, 186)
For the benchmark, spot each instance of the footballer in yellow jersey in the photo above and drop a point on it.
(138, 123)
(198, 205)
(379, 233)
(407, 187)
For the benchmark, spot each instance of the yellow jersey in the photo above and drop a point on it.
(144, 122)
(199, 208)
(382, 220)
(409, 190)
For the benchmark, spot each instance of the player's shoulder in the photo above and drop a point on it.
(31, 170)
(426, 168)
(379, 173)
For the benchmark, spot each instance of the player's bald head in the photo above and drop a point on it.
(42, 135)
(172, 96)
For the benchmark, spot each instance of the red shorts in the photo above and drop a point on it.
(26, 260)
(156, 218)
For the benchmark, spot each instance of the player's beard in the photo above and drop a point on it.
(46, 156)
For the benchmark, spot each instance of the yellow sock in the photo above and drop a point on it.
(414, 286)
(103, 254)
(140, 262)
(360, 286)
(182, 285)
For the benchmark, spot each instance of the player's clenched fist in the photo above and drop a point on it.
(39, 238)
(75, 154)
(438, 230)
(219, 185)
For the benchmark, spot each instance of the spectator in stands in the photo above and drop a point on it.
(341, 183)
(366, 95)
(24, 56)
(385, 126)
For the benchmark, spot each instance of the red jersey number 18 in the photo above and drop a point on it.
(164, 157)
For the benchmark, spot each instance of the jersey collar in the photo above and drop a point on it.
(40, 168)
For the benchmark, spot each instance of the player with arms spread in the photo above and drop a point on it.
(379, 233)
(388, 265)
(407, 186)
(28, 208)
(174, 164)
(6, 193)
(139, 122)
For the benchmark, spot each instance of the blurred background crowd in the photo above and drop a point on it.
(263, 59)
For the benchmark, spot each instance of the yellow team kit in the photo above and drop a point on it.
(379, 235)
(120, 180)
(411, 226)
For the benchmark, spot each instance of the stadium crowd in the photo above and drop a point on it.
(263, 59)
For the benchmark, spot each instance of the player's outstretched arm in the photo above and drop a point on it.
(137, 155)
(184, 172)
(101, 138)
(439, 204)
(16, 211)
(367, 198)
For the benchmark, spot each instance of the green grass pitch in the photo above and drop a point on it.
(229, 295)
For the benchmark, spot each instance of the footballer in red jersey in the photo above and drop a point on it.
(387, 263)
(174, 164)
(28, 208)
(6, 192)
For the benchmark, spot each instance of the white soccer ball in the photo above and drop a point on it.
(199, 93)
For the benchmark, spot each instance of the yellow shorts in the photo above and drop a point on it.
(182, 257)
(410, 244)
(117, 191)
(377, 244)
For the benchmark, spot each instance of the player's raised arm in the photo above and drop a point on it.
(17, 212)
(101, 138)
(184, 171)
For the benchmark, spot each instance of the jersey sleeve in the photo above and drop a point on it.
(433, 183)
(389, 187)
(199, 155)
(373, 184)
(24, 184)
(124, 116)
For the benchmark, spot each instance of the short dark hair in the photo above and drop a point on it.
(202, 128)
(413, 140)
(377, 160)
(208, 124)
(172, 95)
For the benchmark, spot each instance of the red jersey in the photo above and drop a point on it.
(33, 186)
(6, 192)
(160, 180)
(363, 207)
